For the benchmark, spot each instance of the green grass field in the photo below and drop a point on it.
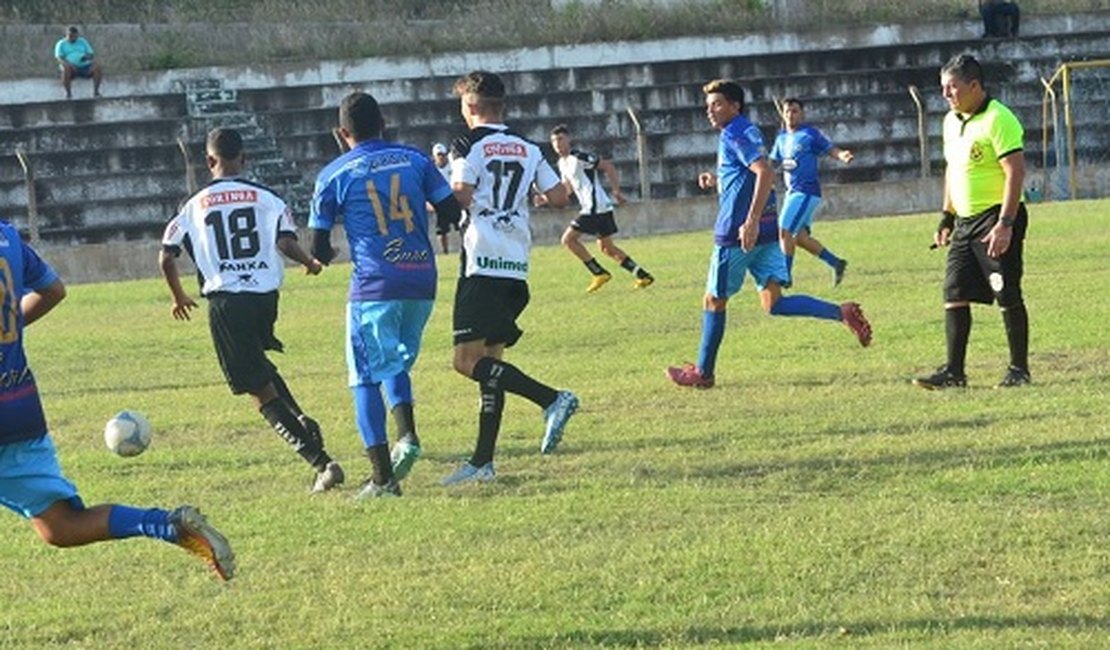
(813, 499)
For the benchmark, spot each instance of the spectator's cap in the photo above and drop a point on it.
(439, 148)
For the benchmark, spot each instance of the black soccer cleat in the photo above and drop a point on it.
(1015, 377)
(941, 379)
(838, 272)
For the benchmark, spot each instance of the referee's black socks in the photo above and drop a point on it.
(1016, 319)
(957, 329)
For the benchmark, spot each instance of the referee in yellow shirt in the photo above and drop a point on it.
(984, 221)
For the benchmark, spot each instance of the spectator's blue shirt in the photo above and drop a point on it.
(741, 145)
(800, 151)
(21, 271)
(74, 52)
(380, 191)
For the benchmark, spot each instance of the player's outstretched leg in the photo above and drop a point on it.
(643, 279)
(600, 275)
(308, 446)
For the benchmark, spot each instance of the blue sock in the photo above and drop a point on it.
(712, 332)
(398, 389)
(125, 521)
(801, 305)
(370, 414)
(828, 258)
(789, 265)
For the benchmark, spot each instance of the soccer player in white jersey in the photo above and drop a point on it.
(234, 229)
(31, 481)
(580, 170)
(491, 176)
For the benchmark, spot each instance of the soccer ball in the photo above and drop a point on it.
(127, 433)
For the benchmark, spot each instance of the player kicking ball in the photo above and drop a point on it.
(31, 481)
(579, 172)
(746, 237)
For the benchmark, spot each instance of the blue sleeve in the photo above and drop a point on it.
(325, 205)
(821, 145)
(435, 186)
(37, 274)
(747, 144)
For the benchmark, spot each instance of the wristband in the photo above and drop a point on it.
(947, 221)
(1007, 222)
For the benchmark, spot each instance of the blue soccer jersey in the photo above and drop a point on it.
(741, 145)
(21, 271)
(380, 190)
(799, 151)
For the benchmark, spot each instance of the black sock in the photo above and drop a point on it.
(281, 418)
(1016, 319)
(381, 463)
(494, 374)
(284, 393)
(405, 420)
(594, 267)
(957, 328)
(489, 425)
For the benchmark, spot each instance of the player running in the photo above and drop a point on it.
(491, 176)
(579, 171)
(233, 230)
(745, 237)
(798, 147)
(380, 191)
(31, 480)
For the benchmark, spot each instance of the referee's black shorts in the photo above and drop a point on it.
(971, 275)
(242, 326)
(487, 308)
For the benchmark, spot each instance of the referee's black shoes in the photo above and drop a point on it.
(1014, 377)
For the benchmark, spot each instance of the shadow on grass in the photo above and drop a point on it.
(923, 462)
(814, 630)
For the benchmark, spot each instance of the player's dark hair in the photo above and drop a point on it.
(560, 129)
(226, 144)
(732, 91)
(965, 68)
(72, 29)
(795, 101)
(486, 86)
(361, 116)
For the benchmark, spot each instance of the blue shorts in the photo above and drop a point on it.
(797, 211)
(728, 265)
(31, 479)
(383, 338)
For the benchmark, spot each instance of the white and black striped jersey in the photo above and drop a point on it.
(231, 228)
(579, 168)
(501, 166)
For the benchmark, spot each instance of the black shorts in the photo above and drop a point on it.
(971, 275)
(242, 326)
(487, 309)
(599, 225)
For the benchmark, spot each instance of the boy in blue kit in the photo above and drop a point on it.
(31, 481)
(745, 237)
(380, 190)
(798, 147)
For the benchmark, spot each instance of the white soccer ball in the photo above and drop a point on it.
(127, 433)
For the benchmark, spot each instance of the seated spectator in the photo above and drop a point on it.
(75, 59)
(1001, 19)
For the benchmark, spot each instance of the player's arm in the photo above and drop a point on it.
(39, 302)
(764, 183)
(998, 239)
(607, 167)
(464, 194)
(182, 303)
(289, 246)
(843, 155)
(557, 196)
